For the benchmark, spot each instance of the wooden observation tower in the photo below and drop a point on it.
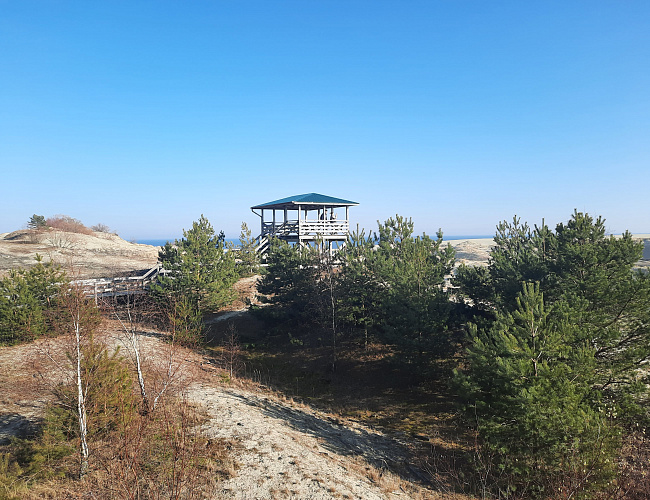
(304, 219)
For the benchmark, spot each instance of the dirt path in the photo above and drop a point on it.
(284, 450)
(289, 451)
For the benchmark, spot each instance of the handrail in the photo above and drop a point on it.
(282, 228)
(306, 227)
(123, 285)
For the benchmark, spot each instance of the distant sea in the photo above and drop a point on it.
(467, 237)
(235, 241)
(155, 243)
(161, 242)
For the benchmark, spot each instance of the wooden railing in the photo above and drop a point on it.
(287, 227)
(112, 287)
(306, 227)
(324, 227)
(263, 243)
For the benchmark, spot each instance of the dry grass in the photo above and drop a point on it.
(634, 480)
(146, 456)
(152, 464)
(367, 387)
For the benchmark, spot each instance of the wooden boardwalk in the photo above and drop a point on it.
(114, 287)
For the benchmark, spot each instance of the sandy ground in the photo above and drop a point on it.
(476, 252)
(88, 256)
(284, 450)
(289, 451)
(108, 255)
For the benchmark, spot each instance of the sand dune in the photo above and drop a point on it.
(88, 256)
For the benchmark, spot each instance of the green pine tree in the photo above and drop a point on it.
(581, 265)
(529, 390)
(520, 254)
(248, 259)
(26, 297)
(416, 312)
(596, 270)
(596, 322)
(359, 303)
(290, 282)
(198, 268)
(37, 222)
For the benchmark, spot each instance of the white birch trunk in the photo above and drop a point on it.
(132, 337)
(81, 402)
(168, 378)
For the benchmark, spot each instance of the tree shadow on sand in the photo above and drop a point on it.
(16, 425)
(379, 450)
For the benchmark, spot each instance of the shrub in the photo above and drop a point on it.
(109, 397)
(101, 228)
(68, 224)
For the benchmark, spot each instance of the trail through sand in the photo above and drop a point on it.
(284, 450)
(295, 452)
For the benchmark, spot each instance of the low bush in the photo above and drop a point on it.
(133, 454)
(101, 228)
(68, 224)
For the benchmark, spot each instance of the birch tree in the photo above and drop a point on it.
(78, 318)
(154, 374)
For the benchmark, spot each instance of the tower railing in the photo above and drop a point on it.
(306, 227)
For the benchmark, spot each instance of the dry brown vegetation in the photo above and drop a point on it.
(67, 224)
(133, 454)
(228, 436)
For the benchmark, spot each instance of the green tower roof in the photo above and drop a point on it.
(304, 200)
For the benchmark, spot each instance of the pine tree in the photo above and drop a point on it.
(26, 296)
(198, 267)
(290, 281)
(580, 265)
(359, 306)
(520, 254)
(596, 270)
(248, 257)
(594, 322)
(21, 313)
(416, 309)
(392, 287)
(529, 389)
(37, 222)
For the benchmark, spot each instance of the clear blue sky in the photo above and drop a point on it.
(459, 114)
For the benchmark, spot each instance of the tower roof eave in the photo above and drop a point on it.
(305, 200)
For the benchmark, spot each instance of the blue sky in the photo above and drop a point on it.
(459, 114)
